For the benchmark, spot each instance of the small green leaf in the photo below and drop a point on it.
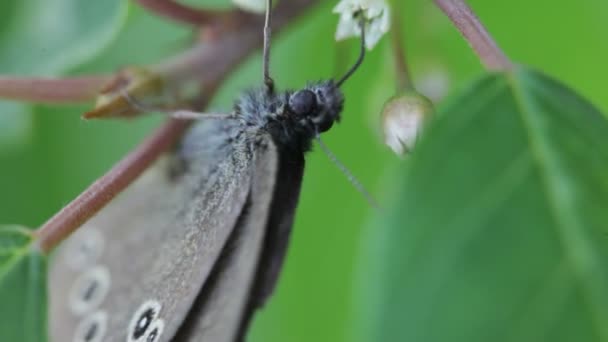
(15, 125)
(65, 33)
(47, 38)
(500, 228)
(22, 287)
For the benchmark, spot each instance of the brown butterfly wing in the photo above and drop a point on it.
(222, 305)
(139, 264)
(278, 231)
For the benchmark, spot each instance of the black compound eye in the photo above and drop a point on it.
(303, 102)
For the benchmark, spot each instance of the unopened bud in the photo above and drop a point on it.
(403, 119)
(142, 84)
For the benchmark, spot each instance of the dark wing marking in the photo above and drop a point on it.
(219, 309)
(160, 238)
(285, 200)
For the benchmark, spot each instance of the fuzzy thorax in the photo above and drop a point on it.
(292, 118)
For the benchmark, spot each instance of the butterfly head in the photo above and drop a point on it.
(316, 107)
(319, 105)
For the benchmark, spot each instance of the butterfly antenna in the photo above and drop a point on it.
(351, 178)
(176, 114)
(354, 68)
(268, 81)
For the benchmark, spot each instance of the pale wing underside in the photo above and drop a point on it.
(221, 307)
(156, 243)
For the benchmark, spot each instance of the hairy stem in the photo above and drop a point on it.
(476, 34)
(209, 66)
(404, 81)
(180, 13)
(102, 191)
(237, 44)
(48, 90)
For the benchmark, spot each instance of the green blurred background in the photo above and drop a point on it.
(48, 155)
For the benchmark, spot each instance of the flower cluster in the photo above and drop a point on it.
(375, 13)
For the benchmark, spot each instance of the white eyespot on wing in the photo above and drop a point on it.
(84, 248)
(155, 331)
(143, 321)
(92, 328)
(89, 290)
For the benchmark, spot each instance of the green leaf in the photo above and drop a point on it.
(15, 125)
(46, 38)
(22, 287)
(500, 229)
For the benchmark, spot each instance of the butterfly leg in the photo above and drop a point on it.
(192, 115)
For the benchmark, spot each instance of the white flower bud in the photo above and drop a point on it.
(376, 14)
(403, 119)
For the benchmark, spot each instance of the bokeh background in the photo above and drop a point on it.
(48, 154)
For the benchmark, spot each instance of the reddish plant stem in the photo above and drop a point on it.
(237, 43)
(173, 10)
(47, 90)
(102, 191)
(476, 34)
(404, 81)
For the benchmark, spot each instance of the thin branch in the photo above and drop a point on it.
(173, 10)
(238, 44)
(223, 57)
(476, 34)
(404, 81)
(102, 191)
(48, 90)
(202, 63)
(268, 81)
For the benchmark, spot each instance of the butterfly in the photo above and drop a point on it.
(195, 245)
